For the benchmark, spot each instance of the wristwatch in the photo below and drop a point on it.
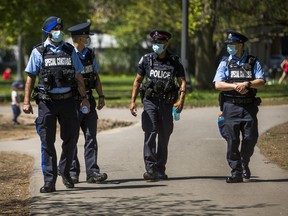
(83, 97)
(249, 84)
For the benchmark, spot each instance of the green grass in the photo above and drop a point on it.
(117, 89)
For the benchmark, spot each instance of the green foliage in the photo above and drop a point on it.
(26, 17)
(130, 21)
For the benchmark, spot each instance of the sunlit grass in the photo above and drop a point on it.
(117, 90)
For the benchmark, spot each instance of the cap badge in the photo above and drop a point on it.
(230, 36)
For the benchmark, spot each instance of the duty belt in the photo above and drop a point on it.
(238, 100)
(157, 95)
(88, 96)
(61, 96)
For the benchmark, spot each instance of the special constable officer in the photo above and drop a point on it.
(88, 122)
(59, 70)
(164, 73)
(237, 77)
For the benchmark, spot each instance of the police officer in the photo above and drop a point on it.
(59, 71)
(88, 122)
(237, 77)
(164, 73)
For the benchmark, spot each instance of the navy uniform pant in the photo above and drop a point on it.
(88, 124)
(240, 119)
(157, 123)
(49, 112)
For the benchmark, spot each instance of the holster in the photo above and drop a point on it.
(221, 100)
(39, 94)
(257, 101)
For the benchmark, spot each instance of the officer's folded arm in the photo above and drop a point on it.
(256, 83)
(224, 86)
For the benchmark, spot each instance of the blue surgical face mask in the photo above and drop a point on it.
(231, 49)
(158, 48)
(57, 36)
(88, 42)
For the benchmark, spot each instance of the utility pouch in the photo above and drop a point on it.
(159, 86)
(68, 74)
(142, 91)
(257, 101)
(47, 80)
(148, 93)
(221, 100)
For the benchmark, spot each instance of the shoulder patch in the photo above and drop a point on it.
(40, 47)
(251, 60)
(224, 58)
(140, 61)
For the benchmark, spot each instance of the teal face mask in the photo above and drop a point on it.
(158, 48)
(231, 49)
(57, 36)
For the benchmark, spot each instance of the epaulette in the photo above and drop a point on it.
(149, 57)
(251, 60)
(91, 54)
(175, 58)
(40, 47)
(68, 48)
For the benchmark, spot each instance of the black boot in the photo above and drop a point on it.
(234, 179)
(96, 177)
(246, 172)
(48, 187)
(66, 179)
(150, 176)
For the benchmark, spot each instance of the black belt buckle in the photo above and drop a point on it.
(239, 100)
(242, 100)
(61, 96)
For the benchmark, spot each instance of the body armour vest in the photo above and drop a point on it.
(89, 75)
(161, 74)
(57, 69)
(241, 73)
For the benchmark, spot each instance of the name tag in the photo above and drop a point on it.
(88, 69)
(241, 74)
(57, 62)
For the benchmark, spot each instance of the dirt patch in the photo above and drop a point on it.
(15, 168)
(15, 171)
(274, 145)
(26, 129)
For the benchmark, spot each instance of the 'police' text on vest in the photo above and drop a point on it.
(160, 74)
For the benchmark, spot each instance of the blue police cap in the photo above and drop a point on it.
(160, 35)
(81, 29)
(233, 36)
(17, 84)
(52, 22)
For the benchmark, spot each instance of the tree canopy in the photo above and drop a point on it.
(25, 18)
(130, 21)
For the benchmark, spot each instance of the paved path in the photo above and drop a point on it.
(196, 168)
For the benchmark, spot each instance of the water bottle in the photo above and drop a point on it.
(220, 122)
(85, 110)
(176, 115)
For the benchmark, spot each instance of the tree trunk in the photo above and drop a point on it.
(204, 58)
(204, 47)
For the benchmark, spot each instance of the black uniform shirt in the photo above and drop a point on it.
(150, 66)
